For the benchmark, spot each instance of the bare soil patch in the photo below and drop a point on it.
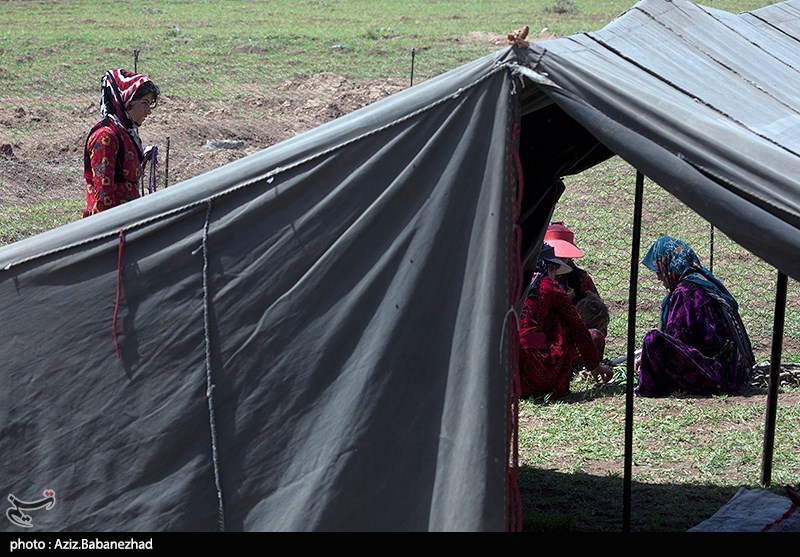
(41, 149)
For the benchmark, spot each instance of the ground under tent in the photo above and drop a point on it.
(320, 336)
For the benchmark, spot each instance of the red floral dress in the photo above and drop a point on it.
(552, 336)
(111, 171)
(578, 283)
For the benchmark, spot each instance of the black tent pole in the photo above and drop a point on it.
(637, 232)
(711, 251)
(774, 378)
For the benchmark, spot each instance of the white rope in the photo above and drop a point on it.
(209, 381)
(513, 311)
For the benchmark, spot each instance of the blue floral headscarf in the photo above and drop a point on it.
(676, 262)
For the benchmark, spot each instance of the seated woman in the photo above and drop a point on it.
(552, 334)
(702, 346)
(577, 283)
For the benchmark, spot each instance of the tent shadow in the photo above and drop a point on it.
(554, 501)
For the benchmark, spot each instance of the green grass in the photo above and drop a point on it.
(689, 457)
(17, 223)
(201, 48)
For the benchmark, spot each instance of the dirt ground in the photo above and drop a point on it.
(41, 150)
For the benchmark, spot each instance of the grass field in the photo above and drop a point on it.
(691, 455)
(207, 48)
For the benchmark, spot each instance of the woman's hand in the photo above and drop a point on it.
(602, 374)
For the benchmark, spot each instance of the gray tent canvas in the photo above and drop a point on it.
(320, 336)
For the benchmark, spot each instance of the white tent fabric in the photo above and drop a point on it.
(320, 336)
(753, 510)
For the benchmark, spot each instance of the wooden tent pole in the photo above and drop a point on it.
(634, 279)
(774, 379)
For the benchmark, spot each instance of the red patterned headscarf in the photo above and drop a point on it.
(116, 92)
(117, 89)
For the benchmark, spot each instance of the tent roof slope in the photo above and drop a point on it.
(704, 102)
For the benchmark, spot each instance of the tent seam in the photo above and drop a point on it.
(119, 291)
(209, 378)
(729, 186)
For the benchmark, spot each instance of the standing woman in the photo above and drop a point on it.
(552, 334)
(702, 346)
(113, 158)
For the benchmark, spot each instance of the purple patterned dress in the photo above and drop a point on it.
(694, 351)
(701, 347)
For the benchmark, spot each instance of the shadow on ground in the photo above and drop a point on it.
(559, 502)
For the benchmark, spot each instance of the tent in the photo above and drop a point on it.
(320, 336)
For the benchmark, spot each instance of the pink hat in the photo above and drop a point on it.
(563, 240)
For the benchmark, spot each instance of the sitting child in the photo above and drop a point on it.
(595, 314)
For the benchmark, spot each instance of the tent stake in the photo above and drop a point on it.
(634, 279)
(711, 251)
(774, 379)
(166, 166)
(413, 55)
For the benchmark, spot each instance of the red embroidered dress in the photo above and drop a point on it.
(580, 283)
(113, 155)
(552, 336)
(114, 168)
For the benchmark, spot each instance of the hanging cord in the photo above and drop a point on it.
(518, 169)
(511, 320)
(119, 291)
(151, 156)
(514, 497)
(516, 262)
(209, 382)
